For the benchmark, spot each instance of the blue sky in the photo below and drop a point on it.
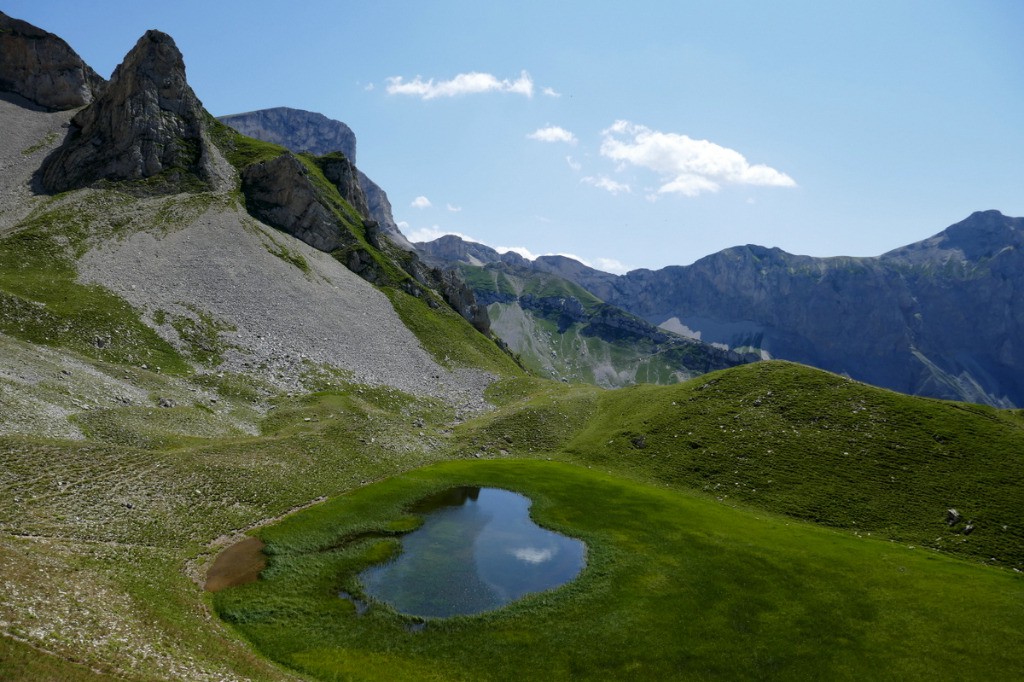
(629, 135)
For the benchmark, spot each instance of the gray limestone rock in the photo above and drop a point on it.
(307, 131)
(146, 125)
(43, 68)
(280, 193)
(343, 174)
(297, 130)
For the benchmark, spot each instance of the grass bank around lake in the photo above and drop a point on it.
(677, 587)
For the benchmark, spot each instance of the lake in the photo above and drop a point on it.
(477, 550)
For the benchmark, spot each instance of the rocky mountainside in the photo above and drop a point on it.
(147, 124)
(43, 68)
(121, 238)
(561, 330)
(307, 131)
(942, 318)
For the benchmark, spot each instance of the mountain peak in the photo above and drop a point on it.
(981, 235)
(297, 130)
(147, 123)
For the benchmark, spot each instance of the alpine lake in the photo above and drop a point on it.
(477, 550)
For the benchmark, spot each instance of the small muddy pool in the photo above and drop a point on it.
(478, 549)
(239, 564)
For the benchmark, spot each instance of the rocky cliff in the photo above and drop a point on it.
(43, 68)
(942, 318)
(308, 131)
(146, 124)
(295, 129)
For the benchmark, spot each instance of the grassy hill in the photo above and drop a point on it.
(175, 374)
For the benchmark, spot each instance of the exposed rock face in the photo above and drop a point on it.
(297, 130)
(612, 347)
(460, 297)
(380, 211)
(449, 250)
(307, 131)
(343, 175)
(280, 193)
(146, 123)
(941, 318)
(43, 68)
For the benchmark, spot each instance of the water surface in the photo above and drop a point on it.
(478, 549)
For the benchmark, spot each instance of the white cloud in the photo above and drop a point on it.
(532, 555)
(463, 84)
(552, 134)
(421, 202)
(687, 166)
(453, 209)
(550, 92)
(369, 87)
(429, 234)
(607, 184)
(573, 163)
(521, 250)
(611, 265)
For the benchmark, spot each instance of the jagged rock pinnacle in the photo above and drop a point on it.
(146, 124)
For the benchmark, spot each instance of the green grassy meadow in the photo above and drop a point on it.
(677, 587)
(768, 521)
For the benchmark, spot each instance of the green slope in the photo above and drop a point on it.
(794, 440)
(676, 587)
(560, 330)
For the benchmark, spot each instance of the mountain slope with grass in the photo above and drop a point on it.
(562, 331)
(181, 368)
(941, 318)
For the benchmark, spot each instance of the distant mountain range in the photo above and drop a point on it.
(943, 317)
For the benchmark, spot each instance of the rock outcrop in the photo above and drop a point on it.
(147, 124)
(343, 174)
(43, 68)
(280, 193)
(307, 131)
(380, 211)
(297, 130)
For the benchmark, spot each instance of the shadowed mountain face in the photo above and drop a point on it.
(943, 317)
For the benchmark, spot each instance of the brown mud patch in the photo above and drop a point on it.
(239, 564)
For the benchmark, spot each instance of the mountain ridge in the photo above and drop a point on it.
(939, 318)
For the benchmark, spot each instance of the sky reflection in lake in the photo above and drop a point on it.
(478, 549)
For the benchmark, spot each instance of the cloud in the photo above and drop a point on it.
(550, 92)
(521, 250)
(532, 555)
(573, 163)
(473, 82)
(369, 87)
(611, 265)
(607, 184)
(452, 208)
(429, 234)
(687, 166)
(421, 202)
(553, 134)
